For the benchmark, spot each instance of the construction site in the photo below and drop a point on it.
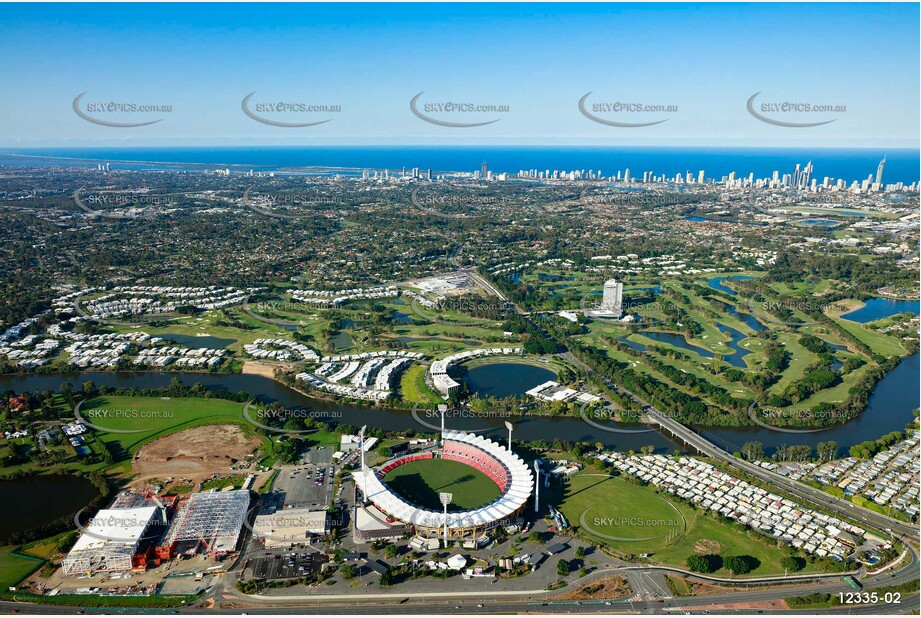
(145, 534)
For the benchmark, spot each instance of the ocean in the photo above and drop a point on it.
(849, 164)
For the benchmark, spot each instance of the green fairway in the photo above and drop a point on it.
(636, 520)
(420, 482)
(413, 388)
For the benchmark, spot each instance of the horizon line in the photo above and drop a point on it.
(884, 149)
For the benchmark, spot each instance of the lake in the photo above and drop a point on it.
(342, 340)
(818, 222)
(878, 308)
(717, 283)
(40, 500)
(400, 318)
(679, 341)
(197, 341)
(749, 320)
(506, 379)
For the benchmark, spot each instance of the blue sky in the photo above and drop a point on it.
(537, 59)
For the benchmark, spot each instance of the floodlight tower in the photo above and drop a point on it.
(536, 487)
(509, 426)
(444, 410)
(446, 498)
(361, 447)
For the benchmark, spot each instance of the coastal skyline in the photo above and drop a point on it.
(676, 75)
(846, 164)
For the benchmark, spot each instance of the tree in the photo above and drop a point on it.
(294, 424)
(390, 551)
(827, 450)
(386, 578)
(707, 563)
(753, 450)
(580, 552)
(349, 571)
(792, 563)
(562, 568)
(740, 565)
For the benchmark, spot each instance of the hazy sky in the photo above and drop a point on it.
(537, 59)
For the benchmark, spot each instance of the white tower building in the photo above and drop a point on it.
(612, 298)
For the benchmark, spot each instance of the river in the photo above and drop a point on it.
(889, 409)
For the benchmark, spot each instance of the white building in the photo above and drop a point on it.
(110, 541)
(613, 297)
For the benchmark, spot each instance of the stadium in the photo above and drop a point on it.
(489, 483)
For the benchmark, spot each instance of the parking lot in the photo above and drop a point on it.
(284, 565)
(320, 455)
(306, 485)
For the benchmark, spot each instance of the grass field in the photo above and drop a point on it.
(14, 568)
(155, 417)
(878, 342)
(617, 510)
(654, 515)
(413, 388)
(422, 481)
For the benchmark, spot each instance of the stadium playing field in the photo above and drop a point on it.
(420, 482)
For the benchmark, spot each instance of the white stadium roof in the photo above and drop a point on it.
(521, 485)
(115, 527)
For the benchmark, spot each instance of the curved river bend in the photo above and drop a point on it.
(889, 409)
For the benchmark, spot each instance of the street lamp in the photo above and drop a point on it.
(508, 425)
(446, 498)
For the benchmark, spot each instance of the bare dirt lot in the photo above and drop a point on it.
(706, 546)
(265, 369)
(605, 588)
(197, 451)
